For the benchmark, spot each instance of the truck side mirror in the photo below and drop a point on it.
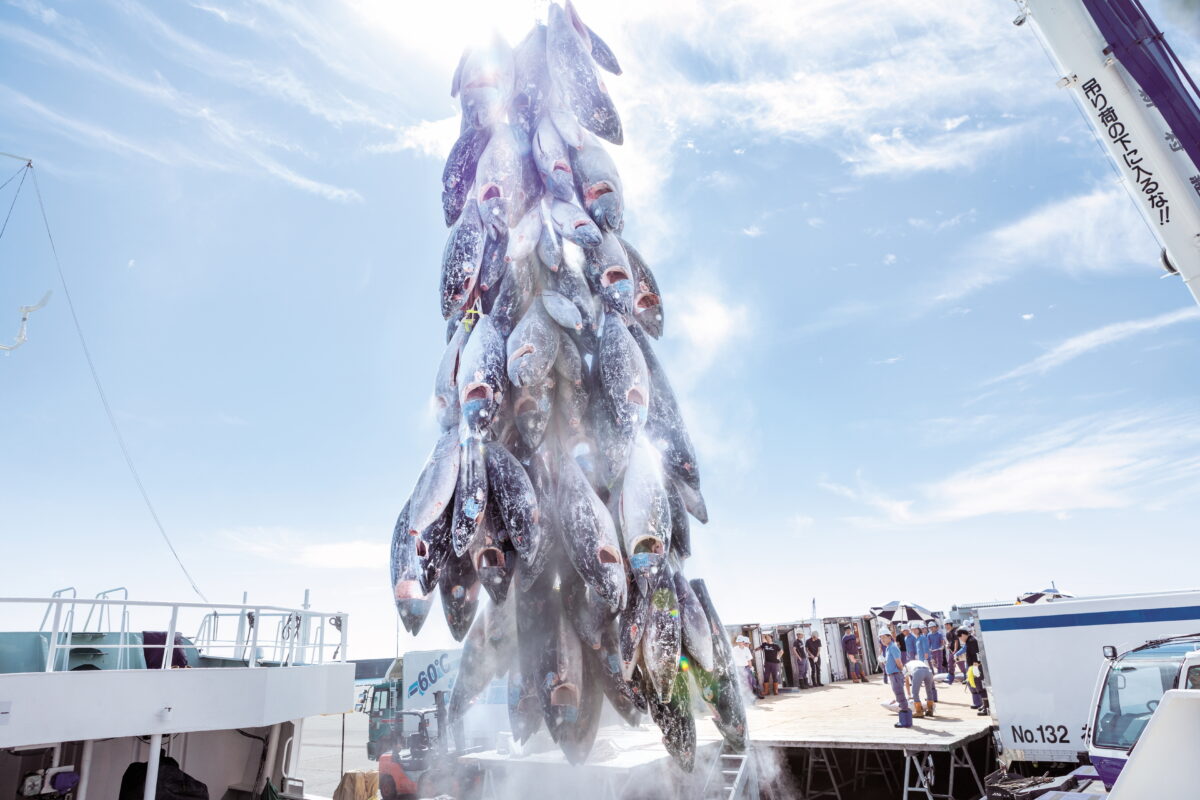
(1110, 652)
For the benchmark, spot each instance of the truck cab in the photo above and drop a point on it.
(1130, 688)
(381, 708)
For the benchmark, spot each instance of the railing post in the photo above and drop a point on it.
(169, 645)
(342, 643)
(240, 648)
(252, 658)
(321, 641)
(151, 787)
(52, 655)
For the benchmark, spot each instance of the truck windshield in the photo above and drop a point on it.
(1132, 691)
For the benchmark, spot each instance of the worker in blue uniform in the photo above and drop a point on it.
(893, 668)
(910, 643)
(922, 642)
(937, 644)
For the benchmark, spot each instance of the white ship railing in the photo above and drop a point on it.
(262, 635)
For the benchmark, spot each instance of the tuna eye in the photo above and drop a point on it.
(647, 301)
(490, 192)
(490, 557)
(608, 555)
(635, 396)
(422, 549)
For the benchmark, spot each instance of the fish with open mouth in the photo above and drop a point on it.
(573, 224)
(599, 185)
(610, 276)
(412, 600)
(589, 534)
(647, 300)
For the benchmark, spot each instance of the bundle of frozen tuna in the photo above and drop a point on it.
(564, 478)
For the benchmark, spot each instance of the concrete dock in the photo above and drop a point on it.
(850, 716)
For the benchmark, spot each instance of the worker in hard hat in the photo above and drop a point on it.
(893, 668)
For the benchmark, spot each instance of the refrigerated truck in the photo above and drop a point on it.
(1040, 663)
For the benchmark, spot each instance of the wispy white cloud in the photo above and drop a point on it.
(898, 154)
(432, 138)
(1098, 231)
(937, 226)
(277, 81)
(753, 231)
(1084, 343)
(97, 136)
(282, 545)
(238, 144)
(1111, 461)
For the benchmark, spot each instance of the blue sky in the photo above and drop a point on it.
(918, 329)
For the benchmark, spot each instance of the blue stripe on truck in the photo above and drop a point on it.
(1091, 618)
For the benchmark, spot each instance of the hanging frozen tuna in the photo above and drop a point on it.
(564, 476)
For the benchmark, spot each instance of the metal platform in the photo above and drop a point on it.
(851, 716)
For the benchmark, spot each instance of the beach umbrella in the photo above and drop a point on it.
(1045, 594)
(897, 611)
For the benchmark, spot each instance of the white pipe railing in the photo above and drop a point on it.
(294, 642)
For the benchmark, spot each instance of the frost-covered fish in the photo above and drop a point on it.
(460, 261)
(500, 187)
(471, 494)
(610, 276)
(487, 653)
(645, 512)
(647, 300)
(599, 185)
(590, 537)
(513, 497)
(574, 74)
(435, 485)
(573, 224)
(459, 588)
(674, 718)
(553, 161)
(697, 637)
(532, 346)
(531, 82)
(459, 172)
(720, 688)
(663, 639)
(601, 53)
(484, 82)
(481, 380)
(624, 379)
(445, 385)
(493, 556)
(664, 423)
(412, 601)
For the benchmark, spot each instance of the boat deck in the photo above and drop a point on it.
(849, 716)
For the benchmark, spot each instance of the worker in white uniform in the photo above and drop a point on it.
(917, 676)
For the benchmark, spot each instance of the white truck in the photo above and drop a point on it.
(1040, 664)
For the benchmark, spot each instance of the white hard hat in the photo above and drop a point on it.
(743, 639)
